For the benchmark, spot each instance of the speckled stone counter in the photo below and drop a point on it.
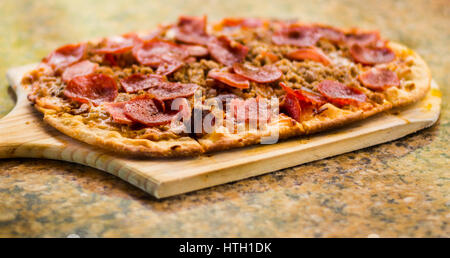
(398, 189)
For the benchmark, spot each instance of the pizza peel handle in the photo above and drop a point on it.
(21, 133)
(24, 134)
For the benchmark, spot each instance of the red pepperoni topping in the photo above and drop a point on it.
(194, 50)
(330, 33)
(137, 82)
(192, 30)
(305, 96)
(158, 87)
(291, 106)
(371, 56)
(296, 35)
(145, 111)
(362, 38)
(156, 53)
(265, 74)
(117, 112)
(230, 79)
(110, 59)
(250, 110)
(95, 88)
(339, 93)
(313, 53)
(311, 97)
(118, 44)
(379, 79)
(225, 51)
(82, 68)
(169, 65)
(172, 90)
(65, 56)
(287, 89)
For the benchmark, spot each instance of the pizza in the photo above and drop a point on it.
(194, 87)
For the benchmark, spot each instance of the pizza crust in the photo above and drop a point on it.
(221, 139)
(417, 80)
(73, 126)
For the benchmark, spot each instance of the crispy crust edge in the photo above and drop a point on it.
(420, 76)
(73, 126)
(284, 127)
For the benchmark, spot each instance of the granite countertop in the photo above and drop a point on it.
(397, 189)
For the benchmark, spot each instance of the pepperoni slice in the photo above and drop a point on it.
(225, 51)
(164, 55)
(192, 30)
(339, 93)
(194, 50)
(117, 112)
(291, 106)
(371, 56)
(362, 38)
(230, 79)
(95, 88)
(154, 52)
(169, 65)
(305, 96)
(311, 97)
(79, 69)
(287, 89)
(137, 82)
(265, 74)
(65, 56)
(330, 33)
(379, 79)
(110, 59)
(118, 44)
(296, 35)
(172, 90)
(145, 111)
(313, 53)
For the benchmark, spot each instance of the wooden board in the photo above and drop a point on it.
(24, 134)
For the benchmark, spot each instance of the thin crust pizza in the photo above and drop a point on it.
(194, 87)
